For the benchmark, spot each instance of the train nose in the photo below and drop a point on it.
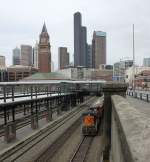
(88, 120)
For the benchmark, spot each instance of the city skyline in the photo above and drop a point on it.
(112, 18)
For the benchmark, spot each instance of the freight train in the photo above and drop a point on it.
(92, 117)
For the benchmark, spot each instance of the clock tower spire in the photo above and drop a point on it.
(44, 51)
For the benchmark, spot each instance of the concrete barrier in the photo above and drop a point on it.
(109, 89)
(130, 133)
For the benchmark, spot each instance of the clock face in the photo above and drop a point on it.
(43, 40)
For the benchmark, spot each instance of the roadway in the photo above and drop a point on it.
(140, 105)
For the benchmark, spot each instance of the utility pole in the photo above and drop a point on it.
(133, 61)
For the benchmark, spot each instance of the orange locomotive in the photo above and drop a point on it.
(91, 119)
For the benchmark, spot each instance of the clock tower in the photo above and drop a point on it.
(44, 52)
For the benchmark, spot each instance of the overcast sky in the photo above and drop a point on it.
(21, 22)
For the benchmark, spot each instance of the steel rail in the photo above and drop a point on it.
(82, 150)
(32, 141)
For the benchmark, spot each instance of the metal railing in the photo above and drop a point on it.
(139, 95)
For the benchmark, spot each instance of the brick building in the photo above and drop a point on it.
(18, 72)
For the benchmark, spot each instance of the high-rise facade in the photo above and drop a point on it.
(119, 69)
(2, 62)
(83, 46)
(44, 59)
(35, 56)
(26, 55)
(89, 56)
(98, 49)
(80, 41)
(63, 57)
(146, 62)
(16, 59)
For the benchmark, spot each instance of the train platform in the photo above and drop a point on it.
(25, 132)
(9, 100)
(26, 146)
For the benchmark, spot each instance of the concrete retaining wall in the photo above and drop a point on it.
(130, 133)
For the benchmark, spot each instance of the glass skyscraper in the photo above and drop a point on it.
(80, 42)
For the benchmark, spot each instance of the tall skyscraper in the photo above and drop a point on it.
(89, 56)
(83, 46)
(80, 39)
(35, 56)
(44, 59)
(52, 66)
(26, 55)
(63, 57)
(98, 49)
(16, 58)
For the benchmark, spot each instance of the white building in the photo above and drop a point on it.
(146, 62)
(129, 73)
(2, 62)
(52, 66)
(120, 68)
(77, 73)
(35, 56)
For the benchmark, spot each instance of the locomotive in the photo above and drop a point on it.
(91, 118)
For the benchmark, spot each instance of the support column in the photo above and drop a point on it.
(64, 104)
(34, 121)
(147, 98)
(58, 106)
(73, 100)
(81, 97)
(34, 117)
(49, 112)
(10, 132)
(110, 89)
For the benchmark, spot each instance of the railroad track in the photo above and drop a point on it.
(82, 150)
(51, 151)
(15, 153)
(22, 123)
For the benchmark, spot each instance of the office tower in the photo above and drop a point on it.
(16, 56)
(146, 62)
(89, 56)
(119, 69)
(2, 62)
(77, 39)
(80, 39)
(98, 49)
(83, 47)
(26, 55)
(44, 59)
(63, 57)
(52, 66)
(35, 56)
